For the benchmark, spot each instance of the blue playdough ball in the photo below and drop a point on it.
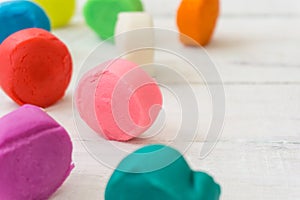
(19, 15)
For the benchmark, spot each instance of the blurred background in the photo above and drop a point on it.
(229, 7)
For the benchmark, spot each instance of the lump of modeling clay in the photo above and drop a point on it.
(59, 11)
(118, 100)
(19, 15)
(35, 155)
(159, 172)
(129, 40)
(35, 67)
(197, 19)
(101, 15)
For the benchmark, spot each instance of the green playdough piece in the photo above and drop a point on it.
(102, 15)
(159, 172)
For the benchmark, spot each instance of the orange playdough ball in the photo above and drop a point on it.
(197, 19)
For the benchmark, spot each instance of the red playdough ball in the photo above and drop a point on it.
(35, 67)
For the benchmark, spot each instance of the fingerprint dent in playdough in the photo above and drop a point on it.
(159, 172)
(101, 15)
(196, 21)
(35, 67)
(18, 15)
(118, 100)
(60, 12)
(35, 155)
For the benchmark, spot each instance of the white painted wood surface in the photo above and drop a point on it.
(256, 49)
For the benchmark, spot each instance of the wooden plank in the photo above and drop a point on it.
(253, 112)
(246, 170)
(244, 50)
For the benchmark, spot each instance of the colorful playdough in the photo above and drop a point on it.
(35, 67)
(59, 11)
(118, 100)
(18, 15)
(35, 155)
(101, 15)
(197, 19)
(131, 43)
(159, 172)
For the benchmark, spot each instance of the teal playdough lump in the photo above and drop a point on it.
(159, 172)
(102, 15)
(20, 14)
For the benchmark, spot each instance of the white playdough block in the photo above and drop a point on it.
(134, 43)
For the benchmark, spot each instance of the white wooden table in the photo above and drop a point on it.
(257, 51)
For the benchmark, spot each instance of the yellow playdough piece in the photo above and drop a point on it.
(60, 12)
